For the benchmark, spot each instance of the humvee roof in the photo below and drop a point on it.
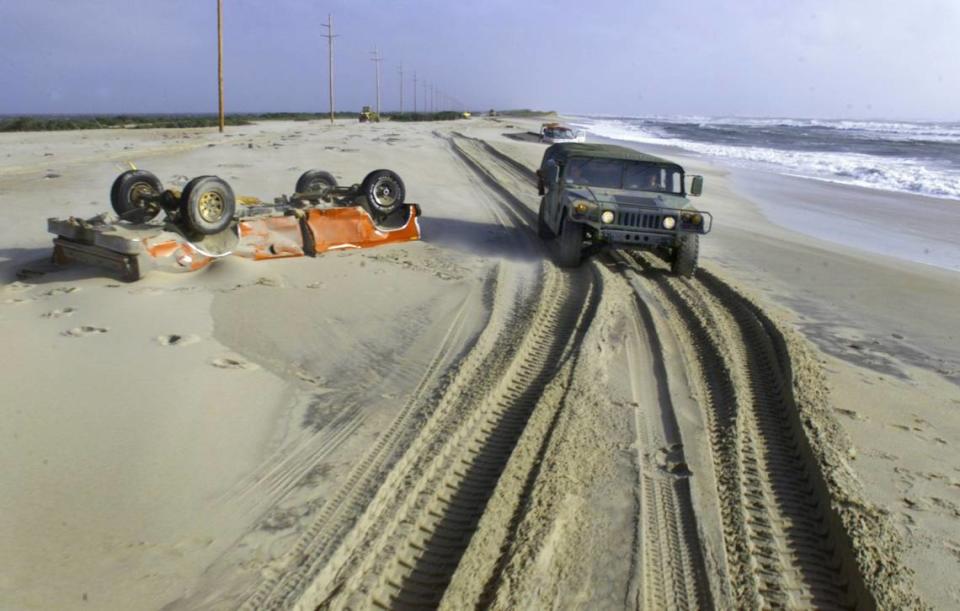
(565, 150)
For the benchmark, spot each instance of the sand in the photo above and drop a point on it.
(259, 432)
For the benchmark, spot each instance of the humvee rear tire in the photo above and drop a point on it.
(543, 230)
(686, 256)
(315, 181)
(127, 192)
(570, 244)
(207, 205)
(383, 191)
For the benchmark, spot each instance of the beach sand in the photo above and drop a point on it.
(203, 439)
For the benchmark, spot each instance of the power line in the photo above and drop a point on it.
(330, 36)
(220, 61)
(377, 59)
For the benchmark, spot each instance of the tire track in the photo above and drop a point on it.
(672, 573)
(339, 514)
(466, 473)
(785, 546)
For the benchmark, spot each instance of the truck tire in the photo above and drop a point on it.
(383, 191)
(126, 194)
(686, 255)
(207, 205)
(543, 230)
(315, 181)
(570, 244)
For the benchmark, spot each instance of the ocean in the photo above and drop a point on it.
(912, 157)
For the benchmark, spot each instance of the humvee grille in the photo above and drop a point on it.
(639, 219)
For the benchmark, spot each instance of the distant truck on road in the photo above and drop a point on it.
(604, 195)
(555, 133)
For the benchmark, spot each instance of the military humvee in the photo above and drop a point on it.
(603, 195)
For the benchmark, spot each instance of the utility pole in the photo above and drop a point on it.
(220, 59)
(377, 60)
(330, 36)
(401, 88)
(426, 99)
(414, 92)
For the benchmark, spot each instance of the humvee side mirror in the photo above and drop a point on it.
(696, 186)
(553, 173)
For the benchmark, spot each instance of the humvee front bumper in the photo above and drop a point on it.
(647, 226)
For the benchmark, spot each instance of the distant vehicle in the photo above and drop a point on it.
(369, 116)
(466, 115)
(604, 195)
(555, 133)
(493, 113)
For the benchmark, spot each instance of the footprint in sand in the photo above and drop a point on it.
(146, 290)
(19, 286)
(63, 290)
(84, 331)
(59, 313)
(232, 363)
(177, 340)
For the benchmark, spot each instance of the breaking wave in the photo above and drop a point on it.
(921, 158)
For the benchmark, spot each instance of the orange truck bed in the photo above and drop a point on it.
(133, 251)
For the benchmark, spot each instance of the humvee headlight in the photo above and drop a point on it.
(669, 222)
(581, 206)
(694, 219)
(607, 216)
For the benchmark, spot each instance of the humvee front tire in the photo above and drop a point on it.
(570, 244)
(686, 256)
(543, 230)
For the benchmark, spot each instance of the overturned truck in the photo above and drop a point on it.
(206, 221)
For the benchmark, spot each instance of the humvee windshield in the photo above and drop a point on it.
(623, 174)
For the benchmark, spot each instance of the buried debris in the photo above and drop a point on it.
(207, 221)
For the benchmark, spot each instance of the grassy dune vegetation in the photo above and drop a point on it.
(74, 122)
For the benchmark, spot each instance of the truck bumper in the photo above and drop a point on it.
(627, 237)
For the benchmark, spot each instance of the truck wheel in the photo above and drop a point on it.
(207, 205)
(543, 230)
(127, 196)
(315, 181)
(570, 246)
(686, 255)
(384, 191)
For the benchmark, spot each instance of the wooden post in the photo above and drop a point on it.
(220, 58)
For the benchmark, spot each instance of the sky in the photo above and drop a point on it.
(777, 58)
